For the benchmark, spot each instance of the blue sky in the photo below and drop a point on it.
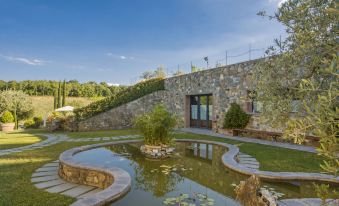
(116, 40)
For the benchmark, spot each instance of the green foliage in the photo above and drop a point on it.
(64, 93)
(16, 102)
(73, 88)
(59, 96)
(55, 103)
(156, 126)
(304, 66)
(236, 118)
(7, 117)
(132, 93)
(29, 123)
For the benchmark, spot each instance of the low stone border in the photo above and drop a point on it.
(119, 180)
(122, 180)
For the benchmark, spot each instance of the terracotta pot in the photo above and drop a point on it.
(7, 127)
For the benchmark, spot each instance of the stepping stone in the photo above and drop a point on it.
(106, 138)
(249, 162)
(97, 139)
(61, 188)
(56, 161)
(51, 183)
(42, 169)
(251, 166)
(114, 138)
(79, 190)
(45, 178)
(247, 158)
(90, 193)
(56, 164)
(40, 174)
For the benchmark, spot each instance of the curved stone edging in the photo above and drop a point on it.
(122, 180)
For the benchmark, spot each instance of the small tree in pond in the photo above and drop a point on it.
(156, 126)
(236, 118)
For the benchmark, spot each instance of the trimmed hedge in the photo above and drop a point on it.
(130, 94)
(236, 118)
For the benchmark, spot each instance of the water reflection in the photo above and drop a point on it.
(194, 168)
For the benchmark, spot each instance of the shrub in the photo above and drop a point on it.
(7, 117)
(127, 95)
(29, 123)
(36, 122)
(156, 126)
(236, 118)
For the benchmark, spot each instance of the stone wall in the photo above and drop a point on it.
(122, 116)
(227, 84)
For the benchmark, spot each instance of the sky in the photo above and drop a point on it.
(114, 41)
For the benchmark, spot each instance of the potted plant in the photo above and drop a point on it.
(156, 128)
(7, 120)
(235, 118)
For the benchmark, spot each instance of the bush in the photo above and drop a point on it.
(236, 118)
(132, 93)
(36, 122)
(7, 117)
(157, 126)
(29, 123)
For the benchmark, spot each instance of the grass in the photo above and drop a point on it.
(17, 139)
(42, 105)
(16, 169)
(271, 158)
(102, 133)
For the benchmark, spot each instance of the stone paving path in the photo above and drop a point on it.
(247, 161)
(51, 140)
(251, 140)
(102, 138)
(47, 178)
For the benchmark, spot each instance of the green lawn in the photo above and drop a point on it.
(16, 169)
(102, 133)
(17, 139)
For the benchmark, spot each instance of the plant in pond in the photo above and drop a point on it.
(247, 192)
(235, 118)
(197, 199)
(156, 126)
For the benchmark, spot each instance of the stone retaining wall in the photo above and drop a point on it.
(227, 84)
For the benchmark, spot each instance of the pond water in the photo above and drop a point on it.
(194, 172)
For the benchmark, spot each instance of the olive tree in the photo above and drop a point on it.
(16, 102)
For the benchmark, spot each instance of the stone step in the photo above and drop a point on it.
(51, 183)
(77, 191)
(61, 188)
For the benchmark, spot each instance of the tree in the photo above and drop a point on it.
(147, 75)
(55, 100)
(59, 96)
(304, 67)
(64, 93)
(18, 103)
(160, 72)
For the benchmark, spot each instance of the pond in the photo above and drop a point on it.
(195, 173)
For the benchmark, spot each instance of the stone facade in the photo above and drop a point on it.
(226, 84)
(122, 116)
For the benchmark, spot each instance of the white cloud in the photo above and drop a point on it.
(278, 2)
(33, 62)
(123, 57)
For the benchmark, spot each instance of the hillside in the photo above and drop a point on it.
(44, 104)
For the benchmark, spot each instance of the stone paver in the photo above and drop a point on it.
(51, 139)
(44, 178)
(78, 190)
(49, 183)
(42, 169)
(61, 188)
(46, 173)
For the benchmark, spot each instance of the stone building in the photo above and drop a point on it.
(199, 99)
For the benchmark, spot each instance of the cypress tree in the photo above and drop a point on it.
(55, 99)
(64, 93)
(59, 96)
